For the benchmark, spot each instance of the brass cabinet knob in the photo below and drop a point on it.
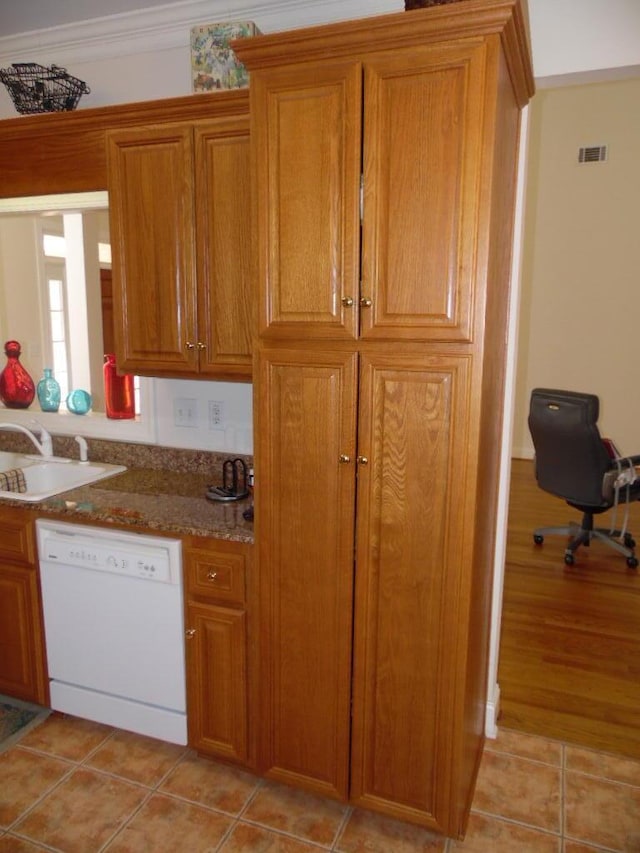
(347, 301)
(200, 345)
(190, 345)
(343, 459)
(190, 633)
(363, 460)
(212, 576)
(365, 303)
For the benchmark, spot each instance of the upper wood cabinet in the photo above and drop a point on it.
(422, 149)
(65, 152)
(371, 231)
(307, 148)
(179, 201)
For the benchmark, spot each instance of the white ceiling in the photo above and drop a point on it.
(22, 16)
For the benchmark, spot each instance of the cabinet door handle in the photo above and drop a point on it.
(347, 301)
(190, 345)
(200, 345)
(343, 459)
(363, 460)
(365, 303)
(190, 633)
(212, 576)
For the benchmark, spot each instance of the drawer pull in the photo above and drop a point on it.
(212, 575)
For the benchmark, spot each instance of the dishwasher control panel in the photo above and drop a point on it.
(120, 554)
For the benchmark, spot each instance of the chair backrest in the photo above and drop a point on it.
(571, 459)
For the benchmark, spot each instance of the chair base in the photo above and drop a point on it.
(582, 535)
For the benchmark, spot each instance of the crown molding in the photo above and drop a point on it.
(167, 27)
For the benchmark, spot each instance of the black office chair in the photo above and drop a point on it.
(573, 462)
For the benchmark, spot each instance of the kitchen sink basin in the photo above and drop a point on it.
(49, 476)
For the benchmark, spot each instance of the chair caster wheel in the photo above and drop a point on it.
(538, 539)
(632, 562)
(569, 559)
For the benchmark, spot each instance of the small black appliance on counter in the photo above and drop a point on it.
(235, 482)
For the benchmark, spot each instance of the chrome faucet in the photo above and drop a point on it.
(44, 446)
(82, 443)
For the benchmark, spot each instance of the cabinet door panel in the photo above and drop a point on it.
(410, 553)
(17, 540)
(305, 512)
(152, 228)
(422, 154)
(22, 667)
(217, 683)
(223, 205)
(307, 127)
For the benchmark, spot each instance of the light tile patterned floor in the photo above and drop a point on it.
(72, 786)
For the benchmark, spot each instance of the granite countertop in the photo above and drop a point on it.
(168, 502)
(165, 494)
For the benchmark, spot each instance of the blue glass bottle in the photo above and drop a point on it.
(79, 402)
(48, 391)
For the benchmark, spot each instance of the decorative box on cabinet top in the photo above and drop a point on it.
(213, 63)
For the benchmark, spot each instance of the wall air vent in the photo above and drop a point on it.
(592, 154)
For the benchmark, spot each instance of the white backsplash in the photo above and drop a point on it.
(196, 414)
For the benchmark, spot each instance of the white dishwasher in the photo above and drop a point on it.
(114, 627)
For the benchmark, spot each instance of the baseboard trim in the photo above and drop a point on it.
(522, 453)
(492, 713)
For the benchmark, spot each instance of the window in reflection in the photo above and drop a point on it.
(57, 316)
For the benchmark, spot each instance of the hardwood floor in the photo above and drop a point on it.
(570, 643)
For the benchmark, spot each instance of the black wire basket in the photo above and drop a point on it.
(39, 89)
(422, 4)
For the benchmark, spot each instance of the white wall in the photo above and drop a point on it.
(583, 38)
(19, 282)
(580, 294)
(145, 55)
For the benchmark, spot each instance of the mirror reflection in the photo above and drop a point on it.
(55, 289)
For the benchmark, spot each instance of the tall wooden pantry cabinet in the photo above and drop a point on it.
(384, 156)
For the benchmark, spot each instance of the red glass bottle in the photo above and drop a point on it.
(119, 396)
(17, 388)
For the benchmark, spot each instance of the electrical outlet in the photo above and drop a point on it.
(216, 413)
(185, 412)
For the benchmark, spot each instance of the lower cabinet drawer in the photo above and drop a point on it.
(215, 575)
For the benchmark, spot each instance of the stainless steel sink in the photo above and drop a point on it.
(49, 476)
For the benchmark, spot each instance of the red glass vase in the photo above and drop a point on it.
(17, 388)
(119, 396)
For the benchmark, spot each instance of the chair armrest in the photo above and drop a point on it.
(625, 462)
